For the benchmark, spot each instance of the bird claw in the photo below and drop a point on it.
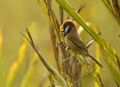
(61, 43)
(67, 59)
(67, 48)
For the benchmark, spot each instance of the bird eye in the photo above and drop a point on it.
(67, 28)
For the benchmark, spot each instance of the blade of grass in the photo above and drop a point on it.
(61, 12)
(43, 5)
(53, 38)
(52, 81)
(16, 64)
(64, 4)
(113, 69)
(98, 82)
(118, 61)
(1, 44)
(55, 48)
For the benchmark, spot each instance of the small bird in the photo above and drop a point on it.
(69, 29)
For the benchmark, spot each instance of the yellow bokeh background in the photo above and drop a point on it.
(17, 56)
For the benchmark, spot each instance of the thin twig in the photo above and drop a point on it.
(53, 37)
(118, 61)
(114, 8)
(117, 84)
(100, 80)
(52, 82)
(89, 43)
(25, 37)
(76, 72)
(81, 7)
(55, 48)
(54, 20)
(61, 12)
(48, 67)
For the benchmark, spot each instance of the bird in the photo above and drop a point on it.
(72, 40)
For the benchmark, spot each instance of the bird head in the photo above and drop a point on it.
(67, 27)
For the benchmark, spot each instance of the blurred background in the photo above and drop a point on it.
(19, 66)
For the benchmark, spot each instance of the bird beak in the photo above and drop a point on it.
(61, 29)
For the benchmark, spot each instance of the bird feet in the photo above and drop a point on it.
(61, 43)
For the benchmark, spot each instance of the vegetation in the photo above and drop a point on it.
(30, 68)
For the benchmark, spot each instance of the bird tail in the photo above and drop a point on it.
(95, 60)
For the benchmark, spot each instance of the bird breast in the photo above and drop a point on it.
(71, 45)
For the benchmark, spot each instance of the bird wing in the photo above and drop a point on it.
(82, 47)
(75, 40)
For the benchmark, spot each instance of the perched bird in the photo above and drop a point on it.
(72, 40)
